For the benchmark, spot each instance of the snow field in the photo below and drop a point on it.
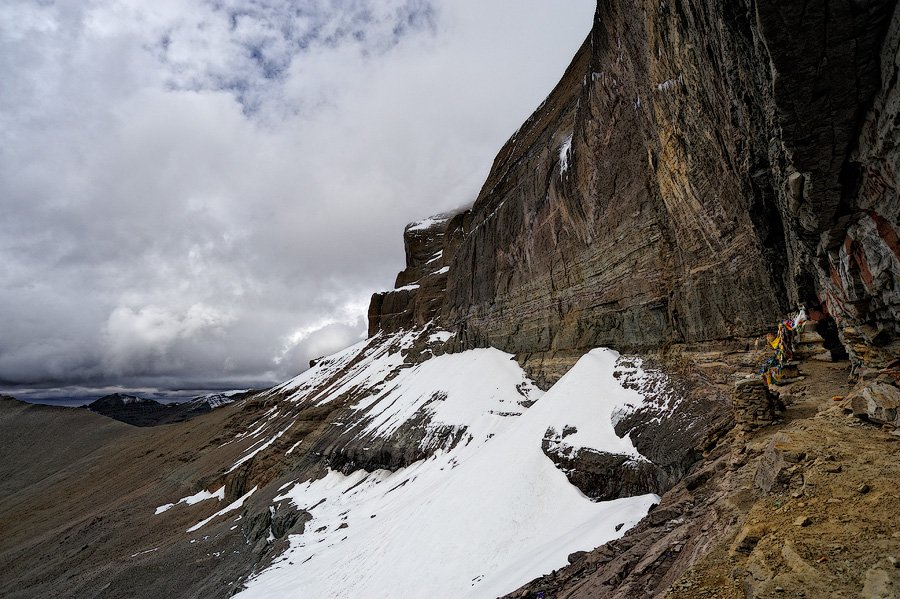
(476, 521)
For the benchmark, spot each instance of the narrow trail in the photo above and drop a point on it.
(812, 503)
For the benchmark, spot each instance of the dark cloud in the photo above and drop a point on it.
(205, 195)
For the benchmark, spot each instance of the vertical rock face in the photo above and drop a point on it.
(700, 169)
(420, 288)
(861, 253)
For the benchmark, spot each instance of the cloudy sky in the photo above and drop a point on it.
(204, 194)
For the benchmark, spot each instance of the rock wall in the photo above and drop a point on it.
(700, 170)
(861, 253)
(419, 291)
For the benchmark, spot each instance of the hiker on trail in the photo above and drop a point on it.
(783, 344)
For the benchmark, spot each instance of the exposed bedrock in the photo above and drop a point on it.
(420, 287)
(700, 169)
(603, 476)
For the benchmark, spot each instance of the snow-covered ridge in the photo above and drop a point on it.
(443, 397)
(479, 502)
(459, 513)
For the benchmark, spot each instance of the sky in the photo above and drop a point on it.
(203, 195)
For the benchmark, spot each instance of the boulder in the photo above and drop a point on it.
(775, 467)
(877, 401)
(604, 476)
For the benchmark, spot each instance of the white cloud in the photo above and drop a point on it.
(257, 159)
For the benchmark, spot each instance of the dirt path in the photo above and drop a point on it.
(813, 504)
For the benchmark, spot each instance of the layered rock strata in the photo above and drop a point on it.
(420, 287)
(700, 169)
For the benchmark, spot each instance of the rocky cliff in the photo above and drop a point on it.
(701, 169)
(420, 288)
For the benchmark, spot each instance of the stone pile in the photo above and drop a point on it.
(754, 405)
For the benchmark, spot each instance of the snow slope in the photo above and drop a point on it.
(203, 495)
(477, 520)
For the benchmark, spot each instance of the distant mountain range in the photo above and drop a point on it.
(140, 411)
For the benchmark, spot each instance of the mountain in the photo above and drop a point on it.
(139, 411)
(561, 395)
(132, 410)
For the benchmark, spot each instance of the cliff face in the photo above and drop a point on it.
(700, 170)
(420, 287)
(861, 252)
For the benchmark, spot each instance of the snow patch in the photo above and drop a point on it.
(229, 508)
(192, 499)
(564, 153)
(262, 447)
(440, 337)
(428, 223)
(669, 84)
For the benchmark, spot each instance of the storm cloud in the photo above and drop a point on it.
(205, 194)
